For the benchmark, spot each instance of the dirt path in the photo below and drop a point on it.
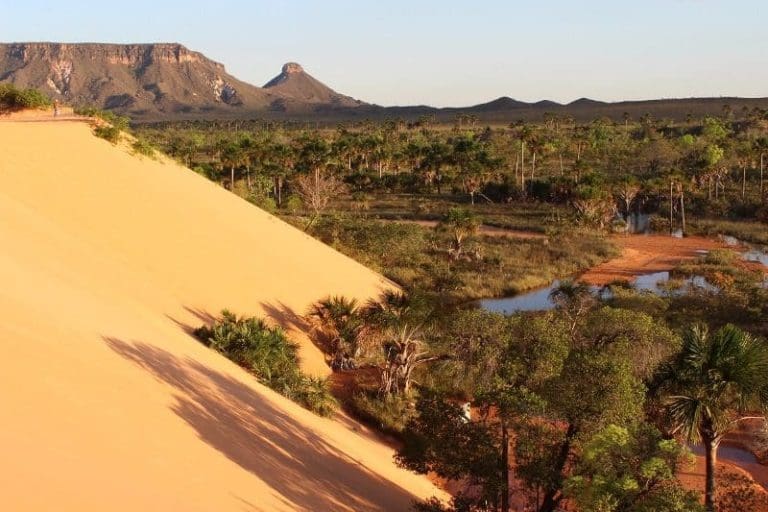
(484, 230)
(38, 116)
(645, 254)
(737, 489)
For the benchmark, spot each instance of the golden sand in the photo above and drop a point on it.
(108, 260)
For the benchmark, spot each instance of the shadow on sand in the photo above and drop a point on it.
(237, 421)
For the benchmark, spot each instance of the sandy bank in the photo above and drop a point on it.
(644, 254)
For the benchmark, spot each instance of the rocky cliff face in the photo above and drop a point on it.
(135, 55)
(149, 81)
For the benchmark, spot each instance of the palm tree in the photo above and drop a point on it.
(391, 307)
(462, 223)
(231, 156)
(761, 145)
(627, 191)
(715, 381)
(280, 164)
(573, 299)
(339, 321)
(404, 351)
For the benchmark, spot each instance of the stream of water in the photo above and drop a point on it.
(539, 299)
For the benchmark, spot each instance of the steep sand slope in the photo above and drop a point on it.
(107, 403)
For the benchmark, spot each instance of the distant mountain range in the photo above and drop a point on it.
(166, 81)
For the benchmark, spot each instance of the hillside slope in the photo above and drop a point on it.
(294, 82)
(108, 403)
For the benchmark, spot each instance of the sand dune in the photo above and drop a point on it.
(107, 261)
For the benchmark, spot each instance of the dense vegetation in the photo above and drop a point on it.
(267, 353)
(456, 262)
(681, 172)
(13, 98)
(593, 401)
(111, 127)
(588, 406)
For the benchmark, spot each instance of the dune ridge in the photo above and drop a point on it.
(108, 261)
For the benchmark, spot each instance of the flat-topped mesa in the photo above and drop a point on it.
(127, 54)
(289, 69)
(292, 67)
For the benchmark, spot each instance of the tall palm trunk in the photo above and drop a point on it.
(517, 165)
(682, 208)
(280, 192)
(743, 182)
(671, 198)
(710, 455)
(522, 166)
(232, 178)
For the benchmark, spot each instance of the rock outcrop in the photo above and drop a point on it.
(294, 82)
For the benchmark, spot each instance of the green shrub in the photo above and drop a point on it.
(293, 204)
(270, 356)
(120, 122)
(13, 98)
(315, 395)
(753, 232)
(720, 257)
(142, 147)
(431, 505)
(389, 414)
(108, 132)
(264, 202)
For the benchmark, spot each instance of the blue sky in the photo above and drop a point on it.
(444, 52)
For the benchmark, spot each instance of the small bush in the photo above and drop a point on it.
(108, 132)
(142, 147)
(315, 394)
(119, 122)
(431, 505)
(293, 205)
(270, 356)
(389, 414)
(720, 257)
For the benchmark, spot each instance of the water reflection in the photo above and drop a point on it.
(654, 282)
(535, 300)
(638, 223)
(539, 299)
